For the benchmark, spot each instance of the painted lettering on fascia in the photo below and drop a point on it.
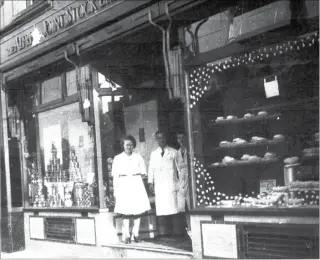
(63, 20)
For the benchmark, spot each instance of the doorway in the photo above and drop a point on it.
(134, 101)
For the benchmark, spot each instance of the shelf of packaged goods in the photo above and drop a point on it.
(245, 120)
(307, 101)
(249, 144)
(243, 163)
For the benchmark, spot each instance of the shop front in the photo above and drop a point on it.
(73, 85)
(241, 79)
(253, 122)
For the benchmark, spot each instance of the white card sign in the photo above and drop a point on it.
(36, 227)
(267, 185)
(271, 88)
(219, 240)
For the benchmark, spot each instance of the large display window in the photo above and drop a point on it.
(60, 146)
(255, 124)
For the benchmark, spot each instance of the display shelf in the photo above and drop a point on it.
(244, 120)
(249, 144)
(306, 101)
(62, 209)
(243, 163)
(310, 159)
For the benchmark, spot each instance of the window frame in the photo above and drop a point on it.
(55, 104)
(33, 9)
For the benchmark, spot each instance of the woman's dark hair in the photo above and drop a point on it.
(181, 132)
(131, 139)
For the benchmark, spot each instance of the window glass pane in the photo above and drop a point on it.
(18, 6)
(71, 82)
(71, 79)
(255, 120)
(6, 13)
(51, 90)
(67, 160)
(211, 34)
(249, 17)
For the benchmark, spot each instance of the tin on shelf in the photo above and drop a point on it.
(290, 173)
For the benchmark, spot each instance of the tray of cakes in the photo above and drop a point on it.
(254, 141)
(297, 194)
(246, 159)
(245, 118)
(300, 193)
(310, 152)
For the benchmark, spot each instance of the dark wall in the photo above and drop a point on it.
(2, 166)
(15, 173)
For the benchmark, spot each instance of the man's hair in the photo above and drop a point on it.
(160, 132)
(131, 139)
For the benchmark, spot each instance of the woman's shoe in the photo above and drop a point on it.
(128, 240)
(136, 239)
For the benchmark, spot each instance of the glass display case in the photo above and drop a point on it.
(255, 127)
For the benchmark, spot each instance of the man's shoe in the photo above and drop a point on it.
(128, 240)
(137, 239)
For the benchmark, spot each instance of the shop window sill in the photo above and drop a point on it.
(310, 211)
(62, 209)
(26, 15)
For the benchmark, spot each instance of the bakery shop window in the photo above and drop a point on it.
(255, 127)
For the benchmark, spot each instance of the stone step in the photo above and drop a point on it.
(134, 251)
(45, 249)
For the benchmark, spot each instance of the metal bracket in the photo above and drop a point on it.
(77, 48)
(4, 83)
(196, 36)
(68, 60)
(168, 42)
(166, 46)
(76, 66)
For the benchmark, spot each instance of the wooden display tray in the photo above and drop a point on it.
(245, 120)
(242, 163)
(249, 144)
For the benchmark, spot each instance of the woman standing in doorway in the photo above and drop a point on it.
(130, 193)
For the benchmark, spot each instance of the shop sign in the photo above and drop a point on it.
(63, 19)
(219, 240)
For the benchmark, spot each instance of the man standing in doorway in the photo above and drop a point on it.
(183, 196)
(163, 181)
